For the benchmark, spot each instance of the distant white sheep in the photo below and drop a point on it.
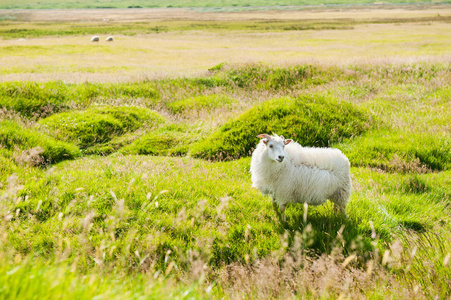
(291, 173)
(109, 39)
(95, 38)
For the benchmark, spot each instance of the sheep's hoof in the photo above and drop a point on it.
(340, 209)
(279, 215)
(282, 220)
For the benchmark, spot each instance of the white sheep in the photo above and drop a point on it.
(109, 39)
(291, 173)
(95, 38)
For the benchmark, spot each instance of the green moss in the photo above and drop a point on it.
(218, 67)
(131, 118)
(43, 99)
(114, 144)
(34, 99)
(169, 140)
(313, 120)
(267, 78)
(208, 102)
(97, 125)
(154, 143)
(261, 77)
(14, 136)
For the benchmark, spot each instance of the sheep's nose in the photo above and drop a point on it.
(281, 157)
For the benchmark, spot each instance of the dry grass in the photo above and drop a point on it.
(158, 15)
(293, 271)
(189, 53)
(321, 277)
(30, 157)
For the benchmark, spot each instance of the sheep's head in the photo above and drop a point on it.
(275, 146)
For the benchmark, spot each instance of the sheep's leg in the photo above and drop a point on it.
(341, 208)
(274, 203)
(282, 212)
(340, 199)
(279, 209)
(275, 206)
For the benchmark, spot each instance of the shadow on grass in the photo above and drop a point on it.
(321, 231)
(326, 229)
(414, 225)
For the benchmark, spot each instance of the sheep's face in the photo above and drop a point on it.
(275, 146)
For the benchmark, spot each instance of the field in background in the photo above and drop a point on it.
(55, 45)
(209, 5)
(124, 166)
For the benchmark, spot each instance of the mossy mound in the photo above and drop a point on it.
(98, 125)
(114, 144)
(16, 137)
(313, 120)
(263, 77)
(400, 152)
(39, 100)
(169, 140)
(34, 99)
(260, 76)
(207, 102)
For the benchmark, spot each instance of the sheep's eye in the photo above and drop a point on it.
(270, 146)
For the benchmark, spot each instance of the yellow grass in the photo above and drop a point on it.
(186, 53)
(149, 15)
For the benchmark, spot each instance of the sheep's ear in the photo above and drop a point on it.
(282, 137)
(286, 142)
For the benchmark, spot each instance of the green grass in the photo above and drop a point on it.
(99, 124)
(14, 30)
(136, 214)
(14, 137)
(313, 120)
(176, 212)
(204, 102)
(172, 139)
(38, 100)
(401, 152)
(20, 27)
(35, 279)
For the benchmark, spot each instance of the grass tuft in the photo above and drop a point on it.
(99, 124)
(173, 139)
(34, 147)
(39, 100)
(400, 152)
(204, 102)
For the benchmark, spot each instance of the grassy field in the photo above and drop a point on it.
(213, 5)
(124, 167)
(55, 45)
